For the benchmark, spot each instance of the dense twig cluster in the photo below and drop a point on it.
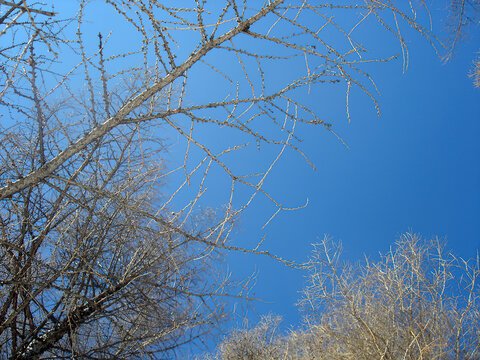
(417, 302)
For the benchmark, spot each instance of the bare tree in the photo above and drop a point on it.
(98, 257)
(416, 302)
(90, 267)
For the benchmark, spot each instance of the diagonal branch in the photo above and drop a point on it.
(104, 128)
(26, 8)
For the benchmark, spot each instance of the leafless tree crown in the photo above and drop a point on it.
(416, 302)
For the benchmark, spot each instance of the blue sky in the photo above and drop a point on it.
(415, 168)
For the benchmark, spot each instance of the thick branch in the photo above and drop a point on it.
(28, 9)
(102, 129)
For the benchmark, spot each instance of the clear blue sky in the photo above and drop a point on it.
(414, 168)
(417, 167)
